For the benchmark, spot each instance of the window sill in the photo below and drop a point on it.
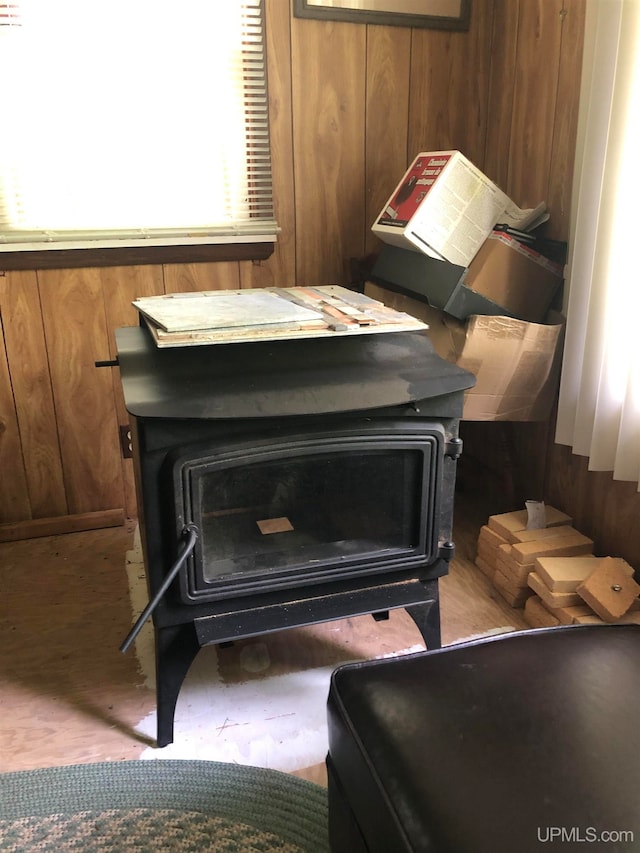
(131, 256)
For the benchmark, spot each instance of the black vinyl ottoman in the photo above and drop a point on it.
(522, 742)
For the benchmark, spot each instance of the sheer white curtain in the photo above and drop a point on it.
(599, 406)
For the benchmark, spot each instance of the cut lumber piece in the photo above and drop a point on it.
(486, 568)
(609, 590)
(570, 545)
(536, 615)
(489, 554)
(630, 618)
(552, 599)
(513, 595)
(488, 544)
(593, 619)
(563, 574)
(490, 538)
(544, 533)
(508, 523)
(507, 583)
(589, 619)
(517, 572)
(568, 615)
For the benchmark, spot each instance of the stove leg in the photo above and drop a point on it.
(427, 618)
(176, 648)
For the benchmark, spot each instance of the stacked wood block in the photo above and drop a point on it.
(581, 590)
(507, 549)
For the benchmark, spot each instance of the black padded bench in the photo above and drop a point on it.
(521, 742)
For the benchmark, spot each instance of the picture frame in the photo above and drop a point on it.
(433, 14)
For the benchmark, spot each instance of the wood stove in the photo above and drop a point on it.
(287, 483)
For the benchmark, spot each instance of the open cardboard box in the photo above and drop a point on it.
(516, 364)
(504, 278)
(514, 276)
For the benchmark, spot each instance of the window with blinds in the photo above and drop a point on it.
(133, 122)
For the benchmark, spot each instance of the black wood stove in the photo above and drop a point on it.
(288, 483)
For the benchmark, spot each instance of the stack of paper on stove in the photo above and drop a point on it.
(221, 316)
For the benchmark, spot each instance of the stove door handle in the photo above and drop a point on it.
(190, 532)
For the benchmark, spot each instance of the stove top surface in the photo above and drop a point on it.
(283, 378)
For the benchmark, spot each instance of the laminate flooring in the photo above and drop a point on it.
(67, 694)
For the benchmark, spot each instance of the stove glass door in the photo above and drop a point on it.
(283, 515)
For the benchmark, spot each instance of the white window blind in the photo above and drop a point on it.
(133, 122)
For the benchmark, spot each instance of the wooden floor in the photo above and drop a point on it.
(67, 695)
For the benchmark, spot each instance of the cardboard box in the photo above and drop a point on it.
(516, 364)
(444, 206)
(505, 278)
(514, 276)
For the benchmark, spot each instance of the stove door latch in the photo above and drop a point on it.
(446, 550)
(453, 448)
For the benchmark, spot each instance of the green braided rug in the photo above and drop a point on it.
(161, 806)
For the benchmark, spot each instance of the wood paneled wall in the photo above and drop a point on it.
(605, 509)
(351, 105)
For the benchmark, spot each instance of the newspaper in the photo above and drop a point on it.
(525, 220)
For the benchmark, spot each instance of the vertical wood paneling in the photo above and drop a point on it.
(566, 119)
(504, 58)
(605, 509)
(534, 101)
(120, 287)
(76, 336)
(387, 118)
(329, 69)
(14, 495)
(449, 87)
(181, 278)
(27, 355)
